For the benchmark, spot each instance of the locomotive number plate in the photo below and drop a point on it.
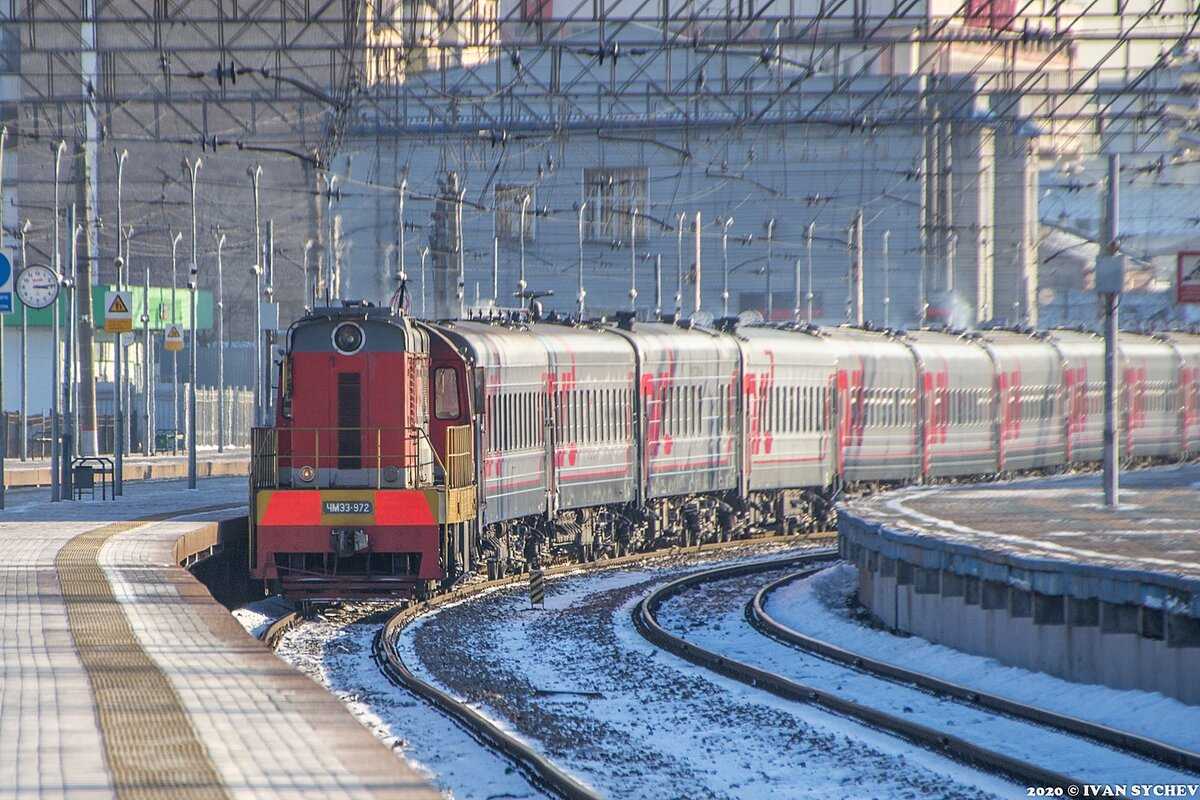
(349, 507)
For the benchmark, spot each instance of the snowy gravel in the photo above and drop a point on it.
(635, 722)
(336, 650)
(713, 616)
(256, 617)
(802, 606)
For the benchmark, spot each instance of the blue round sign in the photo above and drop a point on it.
(5, 269)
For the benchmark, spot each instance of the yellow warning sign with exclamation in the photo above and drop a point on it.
(118, 313)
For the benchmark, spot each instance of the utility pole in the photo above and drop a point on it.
(88, 197)
(1112, 301)
(194, 285)
(118, 355)
(89, 444)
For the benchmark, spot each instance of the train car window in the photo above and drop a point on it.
(445, 393)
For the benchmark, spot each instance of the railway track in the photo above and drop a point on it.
(1165, 754)
(645, 617)
(539, 770)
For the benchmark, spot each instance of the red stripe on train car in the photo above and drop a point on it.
(299, 507)
(406, 507)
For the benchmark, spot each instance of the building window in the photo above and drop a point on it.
(509, 198)
(612, 195)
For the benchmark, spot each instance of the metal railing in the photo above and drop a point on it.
(311, 457)
(460, 462)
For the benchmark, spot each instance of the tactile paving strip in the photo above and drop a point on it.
(151, 748)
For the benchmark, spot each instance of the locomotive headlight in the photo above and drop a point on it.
(348, 338)
(307, 473)
(391, 474)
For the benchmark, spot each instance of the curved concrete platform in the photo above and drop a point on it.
(1038, 574)
(120, 676)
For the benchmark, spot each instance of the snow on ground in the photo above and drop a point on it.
(578, 681)
(713, 617)
(802, 606)
(256, 617)
(337, 652)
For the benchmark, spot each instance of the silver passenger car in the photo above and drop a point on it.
(786, 390)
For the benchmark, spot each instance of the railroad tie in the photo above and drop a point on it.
(150, 746)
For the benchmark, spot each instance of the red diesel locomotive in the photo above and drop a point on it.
(355, 490)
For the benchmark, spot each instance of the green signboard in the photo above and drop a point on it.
(160, 311)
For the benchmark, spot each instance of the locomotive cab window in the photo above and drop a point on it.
(445, 388)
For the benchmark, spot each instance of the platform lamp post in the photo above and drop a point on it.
(255, 174)
(887, 280)
(72, 381)
(175, 353)
(770, 259)
(633, 292)
(23, 416)
(725, 269)
(55, 364)
(126, 397)
(424, 255)
(521, 284)
(118, 351)
(309, 294)
(192, 168)
(581, 293)
(679, 265)
(808, 245)
(268, 398)
(220, 239)
(147, 367)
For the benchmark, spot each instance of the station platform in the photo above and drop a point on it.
(1038, 573)
(120, 676)
(209, 463)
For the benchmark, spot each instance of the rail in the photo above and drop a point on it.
(308, 454)
(645, 620)
(1131, 743)
(532, 764)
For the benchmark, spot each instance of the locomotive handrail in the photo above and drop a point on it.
(460, 465)
(266, 455)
